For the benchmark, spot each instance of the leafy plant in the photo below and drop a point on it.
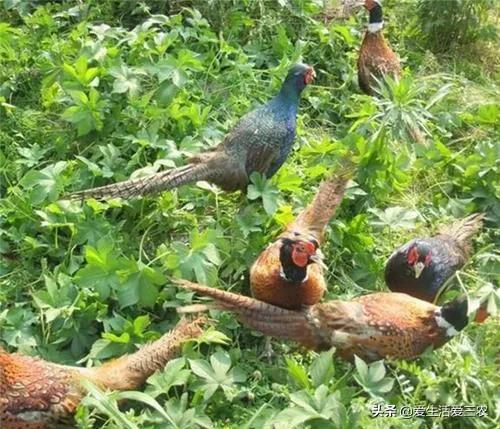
(454, 23)
(87, 113)
(217, 374)
(371, 377)
(96, 92)
(261, 188)
(321, 409)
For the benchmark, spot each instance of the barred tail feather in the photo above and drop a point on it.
(266, 318)
(464, 229)
(240, 304)
(197, 308)
(318, 213)
(147, 185)
(131, 371)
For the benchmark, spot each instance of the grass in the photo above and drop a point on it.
(90, 92)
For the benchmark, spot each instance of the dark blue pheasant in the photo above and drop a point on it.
(261, 141)
(422, 266)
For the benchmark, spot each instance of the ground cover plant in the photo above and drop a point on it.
(92, 91)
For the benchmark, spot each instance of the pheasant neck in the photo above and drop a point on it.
(293, 274)
(288, 95)
(452, 316)
(289, 271)
(376, 21)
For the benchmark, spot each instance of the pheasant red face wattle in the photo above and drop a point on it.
(289, 273)
(309, 76)
(302, 253)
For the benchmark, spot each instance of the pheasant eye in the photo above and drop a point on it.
(428, 259)
(309, 247)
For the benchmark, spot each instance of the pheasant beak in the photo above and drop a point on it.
(318, 259)
(418, 268)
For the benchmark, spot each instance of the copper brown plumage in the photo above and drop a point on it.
(422, 266)
(289, 272)
(35, 394)
(372, 326)
(376, 58)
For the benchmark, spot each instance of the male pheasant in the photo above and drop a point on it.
(35, 394)
(289, 272)
(374, 326)
(376, 58)
(422, 266)
(261, 141)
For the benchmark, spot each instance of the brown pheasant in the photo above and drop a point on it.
(289, 272)
(373, 326)
(376, 58)
(35, 394)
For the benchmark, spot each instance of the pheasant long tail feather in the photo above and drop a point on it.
(318, 213)
(462, 230)
(266, 318)
(197, 308)
(131, 371)
(147, 185)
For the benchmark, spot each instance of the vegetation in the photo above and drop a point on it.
(91, 91)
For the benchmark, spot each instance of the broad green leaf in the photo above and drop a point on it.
(298, 373)
(322, 369)
(262, 188)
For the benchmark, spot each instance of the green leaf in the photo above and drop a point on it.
(107, 405)
(217, 374)
(100, 273)
(377, 371)
(322, 406)
(361, 367)
(46, 183)
(174, 374)
(126, 80)
(137, 289)
(372, 377)
(322, 369)
(298, 373)
(395, 217)
(210, 335)
(145, 399)
(260, 187)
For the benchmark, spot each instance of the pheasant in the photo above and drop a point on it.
(376, 57)
(374, 326)
(422, 266)
(289, 272)
(260, 142)
(35, 394)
